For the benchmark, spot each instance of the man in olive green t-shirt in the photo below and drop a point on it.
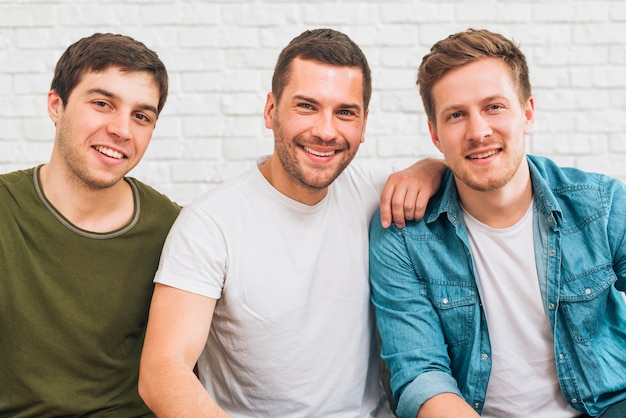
(80, 242)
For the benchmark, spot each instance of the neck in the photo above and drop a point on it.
(95, 210)
(503, 207)
(275, 174)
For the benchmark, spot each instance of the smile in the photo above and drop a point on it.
(482, 155)
(109, 152)
(319, 154)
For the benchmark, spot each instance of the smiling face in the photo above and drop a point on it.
(480, 125)
(318, 126)
(104, 128)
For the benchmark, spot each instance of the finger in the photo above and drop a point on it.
(410, 201)
(397, 206)
(421, 202)
(385, 205)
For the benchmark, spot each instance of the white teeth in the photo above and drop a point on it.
(108, 151)
(319, 154)
(483, 155)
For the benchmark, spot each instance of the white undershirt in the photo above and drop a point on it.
(523, 380)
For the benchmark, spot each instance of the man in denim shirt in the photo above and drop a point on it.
(505, 299)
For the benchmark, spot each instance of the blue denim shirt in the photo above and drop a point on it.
(428, 308)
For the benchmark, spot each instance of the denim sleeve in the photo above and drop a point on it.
(413, 345)
(420, 390)
(616, 227)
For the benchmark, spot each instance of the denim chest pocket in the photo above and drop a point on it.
(455, 305)
(583, 301)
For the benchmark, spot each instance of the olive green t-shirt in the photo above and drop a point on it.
(74, 304)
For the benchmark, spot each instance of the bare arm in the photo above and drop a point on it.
(177, 332)
(446, 405)
(407, 192)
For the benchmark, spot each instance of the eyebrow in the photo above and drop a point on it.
(110, 95)
(488, 99)
(316, 102)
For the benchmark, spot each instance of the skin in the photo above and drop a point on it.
(102, 132)
(403, 199)
(318, 126)
(480, 127)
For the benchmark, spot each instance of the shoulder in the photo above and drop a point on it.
(229, 201)
(569, 179)
(576, 192)
(153, 201)
(17, 187)
(17, 178)
(364, 180)
(231, 191)
(369, 173)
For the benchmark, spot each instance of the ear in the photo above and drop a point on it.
(55, 106)
(433, 136)
(268, 112)
(367, 112)
(529, 112)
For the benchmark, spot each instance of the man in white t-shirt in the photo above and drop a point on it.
(263, 282)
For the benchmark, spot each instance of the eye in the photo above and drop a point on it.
(346, 112)
(100, 103)
(495, 107)
(455, 115)
(143, 118)
(305, 105)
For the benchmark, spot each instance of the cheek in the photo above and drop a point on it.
(142, 140)
(354, 134)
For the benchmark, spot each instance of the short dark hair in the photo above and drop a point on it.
(327, 46)
(100, 51)
(463, 48)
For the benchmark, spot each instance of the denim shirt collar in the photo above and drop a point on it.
(448, 202)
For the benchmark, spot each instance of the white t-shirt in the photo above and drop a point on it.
(292, 333)
(523, 380)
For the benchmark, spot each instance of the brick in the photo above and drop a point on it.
(220, 55)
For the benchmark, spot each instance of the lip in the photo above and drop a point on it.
(483, 154)
(320, 155)
(320, 152)
(109, 152)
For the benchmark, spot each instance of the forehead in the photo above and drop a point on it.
(488, 77)
(130, 85)
(320, 80)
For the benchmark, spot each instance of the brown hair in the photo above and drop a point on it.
(100, 51)
(327, 46)
(464, 48)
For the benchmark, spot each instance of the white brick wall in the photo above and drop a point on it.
(220, 55)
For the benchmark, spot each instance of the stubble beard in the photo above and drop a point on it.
(475, 182)
(320, 176)
(77, 167)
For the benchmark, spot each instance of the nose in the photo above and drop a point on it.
(119, 126)
(478, 127)
(324, 126)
